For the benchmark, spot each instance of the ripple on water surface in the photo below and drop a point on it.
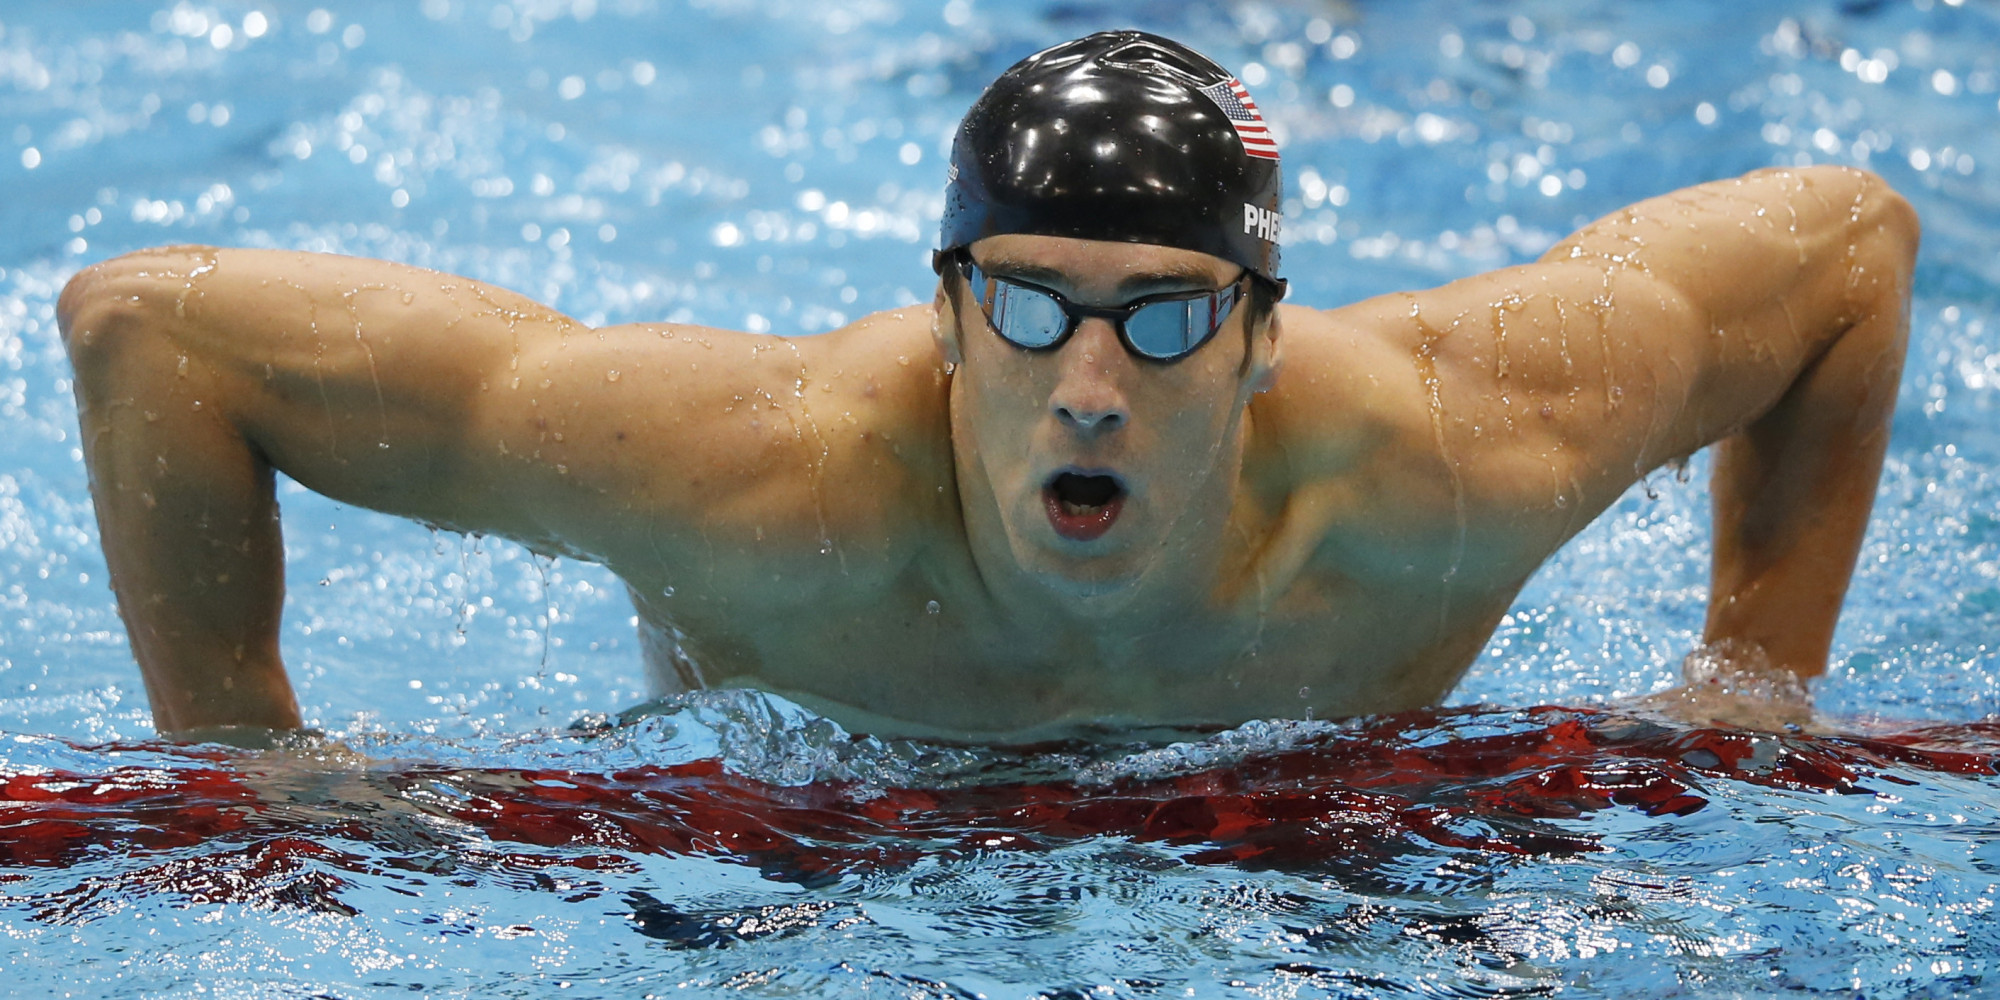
(1368, 854)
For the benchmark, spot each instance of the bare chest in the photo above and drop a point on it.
(928, 661)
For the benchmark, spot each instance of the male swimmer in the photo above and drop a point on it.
(1104, 480)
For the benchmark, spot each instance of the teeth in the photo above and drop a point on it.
(1077, 509)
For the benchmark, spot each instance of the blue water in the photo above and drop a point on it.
(777, 166)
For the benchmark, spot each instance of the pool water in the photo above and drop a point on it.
(489, 814)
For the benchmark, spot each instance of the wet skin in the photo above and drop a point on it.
(1328, 512)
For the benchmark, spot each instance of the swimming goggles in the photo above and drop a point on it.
(1163, 328)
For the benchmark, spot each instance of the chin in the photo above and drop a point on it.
(1097, 590)
(1099, 576)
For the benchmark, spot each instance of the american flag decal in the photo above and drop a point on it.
(1241, 111)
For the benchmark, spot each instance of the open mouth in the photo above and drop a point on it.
(1082, 507)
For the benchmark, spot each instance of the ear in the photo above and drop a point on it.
(1260, 368)
(944, 326)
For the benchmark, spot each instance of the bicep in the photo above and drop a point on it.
(654, 448)
(1601, 373)
(471, 407)
(1607, 369)
(1604, 373)
(359, 378)
(1498, 414)
(1763, 274)
(1546, 377)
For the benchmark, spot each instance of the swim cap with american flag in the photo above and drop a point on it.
(1235, 102)
(1119, 136)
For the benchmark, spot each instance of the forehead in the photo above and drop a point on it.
(1099, 265)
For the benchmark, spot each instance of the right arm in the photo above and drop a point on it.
(197, 372)
(200, 372)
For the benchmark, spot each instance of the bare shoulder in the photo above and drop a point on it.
(1388, 418)
(665, 447)
(1350, 389)
(1508, 408)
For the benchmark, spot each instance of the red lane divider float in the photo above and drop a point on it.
(1355, 796)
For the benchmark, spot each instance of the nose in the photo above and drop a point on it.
(1087, 398)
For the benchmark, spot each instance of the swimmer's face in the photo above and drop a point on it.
(1098, 467)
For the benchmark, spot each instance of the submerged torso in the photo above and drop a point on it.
(896, 667)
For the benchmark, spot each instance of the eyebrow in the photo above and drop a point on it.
(1169, 277)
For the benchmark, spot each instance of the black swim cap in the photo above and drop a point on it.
(1120, 136)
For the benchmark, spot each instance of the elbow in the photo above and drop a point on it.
(95, 309)
(110, 303)
(84, 303)
(1862, 205)
(1890, 234)
(1900, 222)
(1870, 241)
(1882, 214)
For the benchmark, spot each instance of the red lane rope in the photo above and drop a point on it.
(1391, 786)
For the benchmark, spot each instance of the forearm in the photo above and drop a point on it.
(1793, 488)
(188, 519)
(1792, 495)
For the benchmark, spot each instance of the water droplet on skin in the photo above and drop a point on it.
(611, 376)
(409, 297)
(932, 607)
(181, 369)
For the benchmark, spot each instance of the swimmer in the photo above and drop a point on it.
(1104, 479)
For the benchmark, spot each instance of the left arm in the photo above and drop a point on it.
(1795, 479)
(1472, 429)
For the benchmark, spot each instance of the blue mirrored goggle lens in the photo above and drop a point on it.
(1162, 330)
(1030, 318)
